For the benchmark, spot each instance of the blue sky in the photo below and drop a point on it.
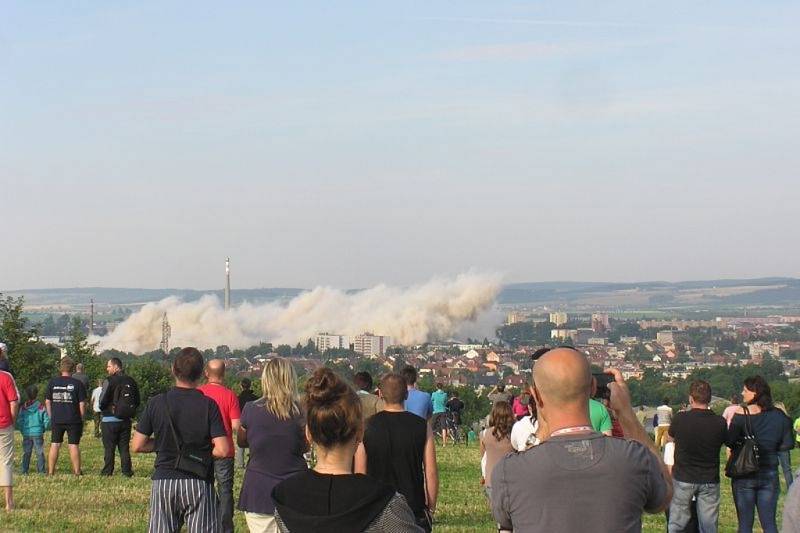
(354, 143)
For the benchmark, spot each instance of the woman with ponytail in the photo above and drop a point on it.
(330, 498)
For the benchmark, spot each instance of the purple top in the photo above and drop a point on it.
(276, 453)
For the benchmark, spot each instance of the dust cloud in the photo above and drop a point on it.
(433, 310)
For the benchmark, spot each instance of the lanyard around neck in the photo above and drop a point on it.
(570, 430)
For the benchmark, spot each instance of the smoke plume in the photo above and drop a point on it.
(430, 311)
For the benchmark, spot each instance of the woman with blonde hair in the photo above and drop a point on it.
(274, 429)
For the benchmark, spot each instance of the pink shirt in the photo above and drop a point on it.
(518, 408)
(228, 405)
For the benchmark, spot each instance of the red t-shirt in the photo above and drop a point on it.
(8, 394)
(228, 405)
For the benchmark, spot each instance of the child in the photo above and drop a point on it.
(32, 422)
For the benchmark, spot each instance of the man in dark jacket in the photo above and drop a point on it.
(247, 395)
(118, 405)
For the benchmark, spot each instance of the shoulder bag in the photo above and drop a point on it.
(192, 459)
(744, 460)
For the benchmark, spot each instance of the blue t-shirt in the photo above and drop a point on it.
(439, 401)
(419, 403)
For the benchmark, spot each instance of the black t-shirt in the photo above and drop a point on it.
(65, 395)
(395, 445)
(196, 419)
(246, 396)
(773, 432)
(698, 434)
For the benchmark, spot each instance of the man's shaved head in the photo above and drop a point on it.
(215, 369)
(562, 376)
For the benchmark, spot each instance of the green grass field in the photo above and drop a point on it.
(92, 503)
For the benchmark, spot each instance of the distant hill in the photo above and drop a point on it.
(648, 294)
(709, 293)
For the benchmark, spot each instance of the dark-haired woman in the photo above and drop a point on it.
(496, 440)
(773, 432)
(330, 498)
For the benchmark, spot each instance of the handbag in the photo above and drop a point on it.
(744, 461)
(192, 459)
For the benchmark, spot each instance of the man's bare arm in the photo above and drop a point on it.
(431, 471)
(142, 443)
(221, 447)
(14, 406)
(633, 430)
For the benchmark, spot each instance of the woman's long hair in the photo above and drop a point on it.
(279, 388)
(501, 420)
(763, 397)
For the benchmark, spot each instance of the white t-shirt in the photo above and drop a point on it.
(521, 431)
(669, 453)
(96, 393)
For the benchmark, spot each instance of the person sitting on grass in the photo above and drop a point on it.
(330, 498)
(66, 405)
(32, 422)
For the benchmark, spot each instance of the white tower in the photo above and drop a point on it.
(227, 283)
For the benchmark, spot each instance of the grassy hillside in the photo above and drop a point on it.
(92, 503)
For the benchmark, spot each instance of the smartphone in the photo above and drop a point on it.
(603, 379)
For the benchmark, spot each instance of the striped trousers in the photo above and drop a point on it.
(175, 502)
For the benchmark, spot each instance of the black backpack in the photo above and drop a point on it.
(126, 399)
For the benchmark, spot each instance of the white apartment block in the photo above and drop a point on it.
(324, 341)
(371, 345)
(515, 317)
(559, 318)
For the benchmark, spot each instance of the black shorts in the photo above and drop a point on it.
(73, 431)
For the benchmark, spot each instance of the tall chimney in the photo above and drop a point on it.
(227, 283)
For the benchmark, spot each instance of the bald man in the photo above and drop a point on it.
(228, 404)
(579, 478)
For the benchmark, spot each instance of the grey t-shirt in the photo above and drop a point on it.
(571, 481)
